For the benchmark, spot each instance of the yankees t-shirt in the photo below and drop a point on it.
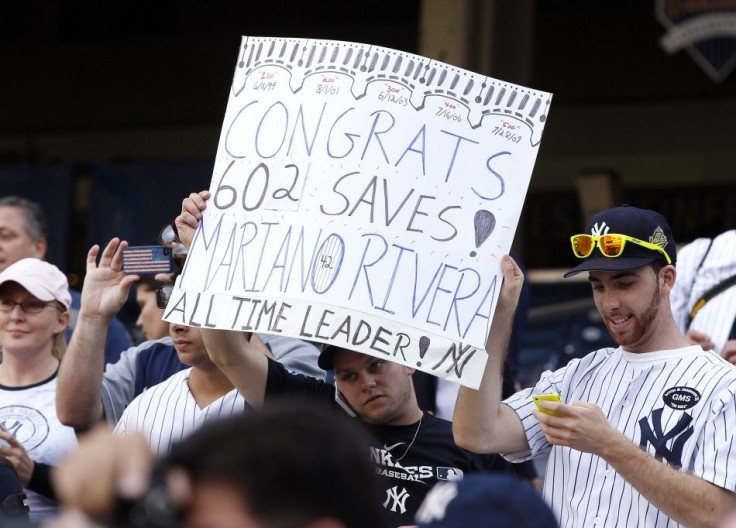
(409, 459)
(30, 414)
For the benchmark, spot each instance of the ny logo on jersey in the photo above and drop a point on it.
(398, 498)
(13, 428)
(598, 230)
(658, 439)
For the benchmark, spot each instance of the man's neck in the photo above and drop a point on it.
(208, 385)
(411, 417)
(667, 338)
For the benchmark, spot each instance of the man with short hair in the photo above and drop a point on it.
(89, 391)
(414, 450)
(645, 435)
(23, 234)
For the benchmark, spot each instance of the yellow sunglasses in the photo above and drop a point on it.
(611, 245)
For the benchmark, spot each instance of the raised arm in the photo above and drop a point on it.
(480, 422)
(243, 359)
(240, 355)
(105, 290)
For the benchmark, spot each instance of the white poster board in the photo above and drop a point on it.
(362, 196)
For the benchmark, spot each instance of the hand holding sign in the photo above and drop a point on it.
(191, 213)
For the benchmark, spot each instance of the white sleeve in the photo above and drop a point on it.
(523, 405)
(688, 262)
(716, 459)
(121, 428)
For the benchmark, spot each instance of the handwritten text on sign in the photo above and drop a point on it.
(362, 196)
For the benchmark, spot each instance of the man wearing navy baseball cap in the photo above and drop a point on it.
(625, 238)
(639, 435)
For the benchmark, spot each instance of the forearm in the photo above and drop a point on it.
(242, 359)
(476, 419)
(78, 397)
(688, 499)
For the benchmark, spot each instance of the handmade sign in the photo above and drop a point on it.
(362, 196)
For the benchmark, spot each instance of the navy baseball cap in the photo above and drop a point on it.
(326, 359)
(500, 500)
(643, 224)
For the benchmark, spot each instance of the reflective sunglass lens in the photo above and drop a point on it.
(611, 245)
(582, 245)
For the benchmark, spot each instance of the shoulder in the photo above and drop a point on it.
(281, 345)
(437, 429)
(588, 362)
(714, 364)
(159, 351)
(436, 442)
(170, 384)
(695, 249)
(280, 380)
(727, 237)
(438, 423)
(148, 347)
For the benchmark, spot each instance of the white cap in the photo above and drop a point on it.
(43, 280)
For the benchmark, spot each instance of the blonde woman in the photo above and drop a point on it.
(34, 304)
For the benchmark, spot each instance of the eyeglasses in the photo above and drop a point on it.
(611, 245)
(163, 294)
(28, 306)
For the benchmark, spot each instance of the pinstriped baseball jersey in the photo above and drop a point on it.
(168, 412)
(678, 405)
(717, 316)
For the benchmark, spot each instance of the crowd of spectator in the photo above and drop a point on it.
(193, 426)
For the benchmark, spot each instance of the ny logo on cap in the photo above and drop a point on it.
(599, 230)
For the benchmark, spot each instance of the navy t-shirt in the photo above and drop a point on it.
(407, 470)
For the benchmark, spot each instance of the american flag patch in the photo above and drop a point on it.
(142, 260)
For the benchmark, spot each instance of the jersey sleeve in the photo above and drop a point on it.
(523, 405)
(716, 458)
(121, 427)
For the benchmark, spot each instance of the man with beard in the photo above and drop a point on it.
(645, 435)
